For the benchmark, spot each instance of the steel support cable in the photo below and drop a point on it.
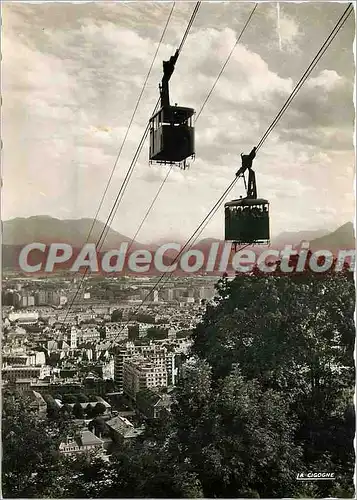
(213, 87)
(120, 151)
(203, 105)
(106, 227)
(188, 29)
(131, 121)
(190, 242)
(212, 212)
(302, 80)
(131, 168)
(149, 209)
(111, 216)
(205, 222)
(226, 62)
(122, 146)
(122, 189)
(307, 73)
(138, 152)
(136, 157)
(193, 16)
(165, 179)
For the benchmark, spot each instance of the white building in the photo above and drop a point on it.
(24, 317)
(108, 370)
(87, 441)
(140, 374)
(63, 300)
(73, 338)
(156, 354)
(206, 292)
(14, 373)
(36, 359)
(88, 335)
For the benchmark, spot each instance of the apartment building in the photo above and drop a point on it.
(156, 354)
(14, 373)
(140, 374)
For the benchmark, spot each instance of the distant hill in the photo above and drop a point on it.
(45, 229)
(296, 237)
(206, 243)
(342, 238)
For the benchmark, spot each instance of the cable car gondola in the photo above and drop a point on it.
(247, 219)
(172, 135)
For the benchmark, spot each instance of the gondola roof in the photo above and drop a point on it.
(246, 202)
(177, 111)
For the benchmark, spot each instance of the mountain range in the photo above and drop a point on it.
(343, 238)
(20, 231)
(45, 229)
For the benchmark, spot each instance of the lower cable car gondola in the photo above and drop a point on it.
(172, 134)
(247, 219)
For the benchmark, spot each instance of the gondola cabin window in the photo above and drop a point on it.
(247, 221)
(172, 135)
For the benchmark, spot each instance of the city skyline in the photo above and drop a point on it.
(72, 75)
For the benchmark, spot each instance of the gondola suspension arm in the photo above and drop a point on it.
(247, 164)
(168, 68)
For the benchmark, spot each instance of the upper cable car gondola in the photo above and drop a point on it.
(172, 135)
(247, 219)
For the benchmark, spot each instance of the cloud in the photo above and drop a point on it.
(321, 114)
(72, 75)
(327, 80)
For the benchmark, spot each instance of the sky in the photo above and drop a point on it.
(71, 77)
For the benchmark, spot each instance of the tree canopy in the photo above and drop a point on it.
(293, 335)
(30, 450)
(266, 394)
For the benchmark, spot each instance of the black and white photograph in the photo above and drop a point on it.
(178, 249)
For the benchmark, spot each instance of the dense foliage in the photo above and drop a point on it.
(30, 458)
(267, 394)
(295, 336)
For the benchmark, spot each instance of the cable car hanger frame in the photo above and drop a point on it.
(247, 219)
(171, 129)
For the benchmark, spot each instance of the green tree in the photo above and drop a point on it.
(77, 410)
(53, 359)
(66, 411)
(53, 411)
(237, 436)
(294, 335)
(145, 471)
(69, 398)
(89, 411)
(99, 409)
(85, 476)
(117, 315)
(82, 398)
(30, 458)
(32, 466)
(97, 426)
(102, 332)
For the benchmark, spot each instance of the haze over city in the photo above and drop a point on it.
(72, 75)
